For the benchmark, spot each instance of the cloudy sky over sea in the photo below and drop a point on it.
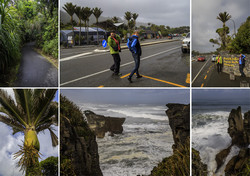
(127, 96)
(204, 22)
(173, 13)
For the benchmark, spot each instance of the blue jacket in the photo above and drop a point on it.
(135, 46)
(242, 59)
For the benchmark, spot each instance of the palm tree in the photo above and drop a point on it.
(29, 112)
(70, 9)
(128, 17)
(224, 17)
(135, 16)
(97, 13)
(79, 12)
(115, 19)
(87, 12)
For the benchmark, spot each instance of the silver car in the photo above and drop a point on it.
(213, 58)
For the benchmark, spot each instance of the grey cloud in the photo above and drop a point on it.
(161, 12)
(204, 22)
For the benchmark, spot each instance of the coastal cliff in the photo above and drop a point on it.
(78, 146)
(239, 131)
(179, 162)
(100, 124)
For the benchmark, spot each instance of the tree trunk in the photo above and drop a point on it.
(80, 33)
(97, 31)
(31, 147)
(88, 33)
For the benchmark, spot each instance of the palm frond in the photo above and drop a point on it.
(44, 102)
(9, 105)
(12, 123)
(54, 138)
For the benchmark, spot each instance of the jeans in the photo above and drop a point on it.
(137, 65)
(241, 67)
(219, 67)
(116, 66)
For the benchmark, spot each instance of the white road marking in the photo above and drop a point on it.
(200, 71)
(106, 51)
(103, 71)
(75, 56)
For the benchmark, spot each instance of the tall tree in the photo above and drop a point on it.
(115, 19)
(128, 17)
(135, 16)
(223, 17)
(87, 12)
(70, 9)
(79, 12)
(97, 13)
(30, 112)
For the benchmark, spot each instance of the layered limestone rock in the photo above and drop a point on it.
(78, 146)
(239, 131)
(179, 162)
(179, 121)
(100, 124)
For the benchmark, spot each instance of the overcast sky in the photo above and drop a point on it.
(173, 13)
(127, 96)
(204, 22)
(9, 146)
(226, 95)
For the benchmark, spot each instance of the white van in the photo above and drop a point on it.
(186, 44)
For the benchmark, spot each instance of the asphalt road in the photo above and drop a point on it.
(35, 70)
(204, 74)
(162, 65)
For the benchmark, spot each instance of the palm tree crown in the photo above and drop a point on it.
(224, 17)
(30, 110)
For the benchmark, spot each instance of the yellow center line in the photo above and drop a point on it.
(188, 78)
(178, 85)
(101, 86)
(202, 85)
(125, 75)
(205, 77)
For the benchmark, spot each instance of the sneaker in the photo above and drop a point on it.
(139, 76)
(129, 79)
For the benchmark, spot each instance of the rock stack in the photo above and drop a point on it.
(239, 131)
(100, 124)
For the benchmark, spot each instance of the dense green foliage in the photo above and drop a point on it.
(25, 21)
(241, 42)
(74, 116)
(49, 166)
(177, 164)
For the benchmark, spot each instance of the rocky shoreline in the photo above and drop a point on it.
(239, 131)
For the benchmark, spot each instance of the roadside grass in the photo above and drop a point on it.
(52, 60)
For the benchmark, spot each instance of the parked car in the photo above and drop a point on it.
(213, 58)
(201, 59)
(170, 36)
(186, 44)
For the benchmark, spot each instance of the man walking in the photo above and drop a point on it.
(114, 41)
(219, 63)
(242, 64)
(135, 47)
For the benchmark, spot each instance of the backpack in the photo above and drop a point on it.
(129, 43)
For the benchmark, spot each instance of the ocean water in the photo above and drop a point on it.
(209, 131)
(145, 141)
